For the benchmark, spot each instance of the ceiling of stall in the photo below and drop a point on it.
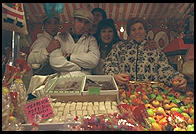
(120, 12)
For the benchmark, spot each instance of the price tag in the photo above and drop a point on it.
(94, 90)
(40, 107)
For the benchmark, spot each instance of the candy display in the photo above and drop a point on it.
(63, 110)
(140, 106)
(166, 108)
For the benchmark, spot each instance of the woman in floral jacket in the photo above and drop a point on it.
(135, 59)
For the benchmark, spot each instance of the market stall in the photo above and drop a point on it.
(72, 102)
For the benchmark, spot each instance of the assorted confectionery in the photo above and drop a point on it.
(139, 106)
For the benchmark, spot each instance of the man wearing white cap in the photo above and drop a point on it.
(43, 45)
(79, 50)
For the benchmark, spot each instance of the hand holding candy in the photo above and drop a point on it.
(122, 78)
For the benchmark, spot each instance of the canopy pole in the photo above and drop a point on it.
(13, 43)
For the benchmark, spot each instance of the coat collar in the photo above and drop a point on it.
(142, 43)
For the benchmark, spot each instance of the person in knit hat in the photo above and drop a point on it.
(43, 46)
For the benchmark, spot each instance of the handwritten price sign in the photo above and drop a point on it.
(40, 107)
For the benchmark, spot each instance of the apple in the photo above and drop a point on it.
(170, 97)
(186, 115)
(166, 101)
(190, 121)
(191, 110)
(190, 127)
(179, 129)
(145, 97)
(125, 101)
(149, 106)
(123, 95)
(155, 103)
(159, 98)
(176, 101)
(168, 112)
(165, 92)
(176, 109)
(121, 91)
(173, 105)
(150, 112)
(163, 121)
(128, 93)
(146, 101)
(152, 96)
(181, 97)
(160, 110)
(156, 91)
(151, 120)
(184, 109)
(167, 106)
(156, 127)
(132, 96)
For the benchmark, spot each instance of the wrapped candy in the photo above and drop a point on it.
(110, 122)
(14, 124)
(10, 73)
(36, 121)
(72, 123)
(18, 98)
(23, 67)
(17, 89)
(7, 107)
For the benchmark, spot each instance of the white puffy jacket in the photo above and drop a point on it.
(84, 54)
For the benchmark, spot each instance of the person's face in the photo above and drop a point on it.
(107, 35)
(80, 25)
(137, 32)
(51, 26)
(97, 17)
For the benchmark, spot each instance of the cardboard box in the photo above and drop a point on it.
(101, 82)
(64, 85)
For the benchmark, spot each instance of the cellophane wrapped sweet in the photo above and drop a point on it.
(109, 122)
(14, 96)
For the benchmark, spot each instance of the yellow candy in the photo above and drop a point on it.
(132, 97)
(5, 90)
(179, 129)
(12, 118)
(125, 101)
(19, 81)
(156, 127)
(123, 95)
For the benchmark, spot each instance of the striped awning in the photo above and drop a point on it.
(120, 12)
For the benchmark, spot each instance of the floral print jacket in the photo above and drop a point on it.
(152, 65)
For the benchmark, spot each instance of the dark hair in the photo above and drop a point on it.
(46, 19)
(101, 11)
(134, 20)
(107, 23)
